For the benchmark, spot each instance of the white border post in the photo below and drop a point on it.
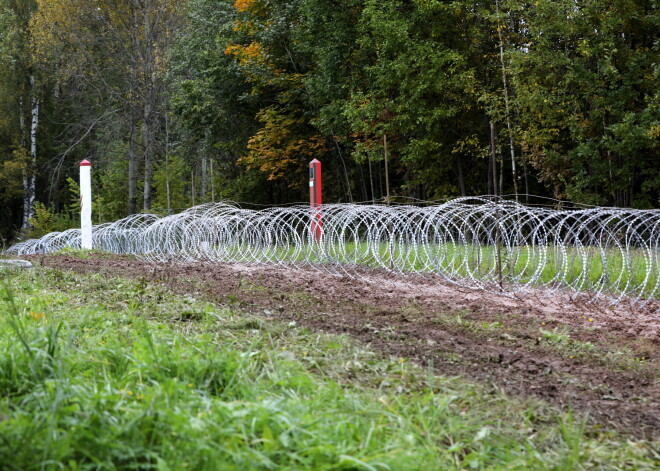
(85, 205)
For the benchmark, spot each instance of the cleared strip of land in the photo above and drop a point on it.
(587, 356)
(102, 371)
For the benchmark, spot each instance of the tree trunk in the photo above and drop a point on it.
(461, 177)
(212, 182)
(147, 133)
(21, 121)
(371, 181)
(501, 187)
(132, 170)
(167, 165)
(632, 187)
(363, 182)
(30, 177)
(506, 105)
(492, 183)
(343, 165)
(387, 173)
(150, 97)
(192, 186)
(379, 171)
(204, 179)
(526, 182)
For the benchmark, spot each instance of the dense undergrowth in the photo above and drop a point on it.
(99, 373)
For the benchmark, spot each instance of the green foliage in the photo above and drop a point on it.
(46, 220)
(212, 111)
(12, 172)
(74, 194)
(260, 87)
(585, 85)
(10, 37)
(110, 185)
(16, 92)
(179, 199)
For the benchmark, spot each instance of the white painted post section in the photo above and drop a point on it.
(85, 205)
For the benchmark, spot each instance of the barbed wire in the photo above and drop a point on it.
(476, 242)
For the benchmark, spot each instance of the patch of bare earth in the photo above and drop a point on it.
(596, 360)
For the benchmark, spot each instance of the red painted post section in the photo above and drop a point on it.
(315, 198)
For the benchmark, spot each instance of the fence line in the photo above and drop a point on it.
(473, 242)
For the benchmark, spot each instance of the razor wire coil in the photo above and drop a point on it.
(478, 243)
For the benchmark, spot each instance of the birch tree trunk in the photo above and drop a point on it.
(30, 177)
(21, 120)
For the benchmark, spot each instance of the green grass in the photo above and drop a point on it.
(99, 373)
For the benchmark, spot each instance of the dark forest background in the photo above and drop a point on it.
(178, 103)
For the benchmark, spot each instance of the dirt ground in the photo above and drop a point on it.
(596, 360)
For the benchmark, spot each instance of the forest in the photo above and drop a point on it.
(182, 102)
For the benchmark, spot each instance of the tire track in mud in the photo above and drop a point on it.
(478, 335)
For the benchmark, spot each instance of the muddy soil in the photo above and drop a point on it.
(596, 360)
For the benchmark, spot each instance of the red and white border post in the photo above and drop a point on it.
(85, 205)
(315, 198)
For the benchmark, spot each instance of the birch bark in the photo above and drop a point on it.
(29, 176)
